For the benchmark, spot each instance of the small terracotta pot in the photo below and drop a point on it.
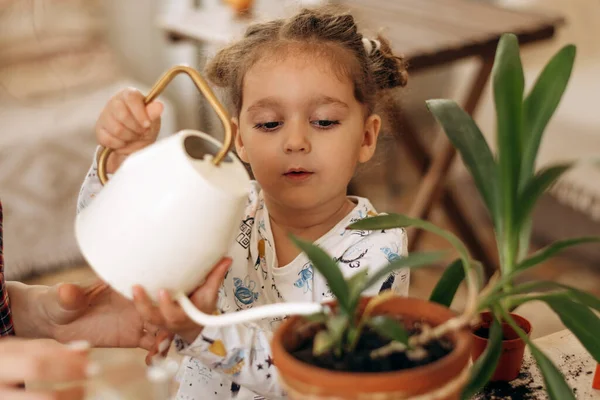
(596, 380)
(305, 381)
(513, 347)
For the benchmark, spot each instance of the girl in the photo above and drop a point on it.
(303, 93)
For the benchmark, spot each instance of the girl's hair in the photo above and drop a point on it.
(370, 64)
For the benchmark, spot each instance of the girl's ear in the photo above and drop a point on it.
(370, 135)
(237, 140)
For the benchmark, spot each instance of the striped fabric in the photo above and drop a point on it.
(6, 326)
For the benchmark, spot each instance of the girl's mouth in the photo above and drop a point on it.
(298, 174)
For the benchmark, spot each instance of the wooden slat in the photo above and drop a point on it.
(433, 32)
(426, 32)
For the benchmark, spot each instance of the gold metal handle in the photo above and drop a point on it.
(159, 86)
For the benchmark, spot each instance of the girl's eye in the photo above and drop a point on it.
(268, 126)
(325, 123)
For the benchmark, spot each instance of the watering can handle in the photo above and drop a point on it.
(159, 86)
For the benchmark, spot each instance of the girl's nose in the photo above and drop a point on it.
(296, 139)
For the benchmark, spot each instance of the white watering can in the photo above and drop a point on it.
(169, 213)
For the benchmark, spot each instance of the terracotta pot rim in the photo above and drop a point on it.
(461, 340)
(506, 342)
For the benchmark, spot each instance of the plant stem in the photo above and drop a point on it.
(506, 317)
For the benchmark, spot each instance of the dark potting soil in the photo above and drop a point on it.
(482, 332)
(522, 388)
(507, 332)
(361, 361)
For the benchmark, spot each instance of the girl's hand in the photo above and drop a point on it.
(127, 124)
(170, 316)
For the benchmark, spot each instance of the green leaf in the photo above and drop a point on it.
(555, 383)
(525, 238)
(399, 221)
(353, 336)
(574, 294)
(534, 189)
(412, 260)
(516, 301)
(581, 296)
(580, 320)
(541, 103)
(328, 268)
(554, 380)
(356, 285)
(318, 318)
(391, 221)
(446, 288)
(466, 137)
(336, 325)
(483, 369)
(508, 85)
(323, 343)
(551, 250)
(389, 328)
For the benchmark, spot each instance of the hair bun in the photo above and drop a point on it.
(389, 70)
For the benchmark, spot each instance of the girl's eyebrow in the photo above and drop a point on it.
(325, 100)
(267, 102)
(273, 103)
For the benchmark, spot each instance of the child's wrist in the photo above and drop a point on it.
(190, 335)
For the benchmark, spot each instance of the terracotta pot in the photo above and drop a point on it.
(305, 381)
(513, 347)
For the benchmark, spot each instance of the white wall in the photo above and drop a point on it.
(145, 53)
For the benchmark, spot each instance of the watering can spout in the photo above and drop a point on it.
(250, 315)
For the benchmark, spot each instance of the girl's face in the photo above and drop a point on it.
(302, 131)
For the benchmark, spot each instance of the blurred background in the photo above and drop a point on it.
(61, 60)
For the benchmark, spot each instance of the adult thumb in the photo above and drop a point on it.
(63, 303)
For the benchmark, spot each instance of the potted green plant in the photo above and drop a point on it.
(383, 347)
(510, 187)
(306, 350)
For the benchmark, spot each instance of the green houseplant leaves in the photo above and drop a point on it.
(510, 187)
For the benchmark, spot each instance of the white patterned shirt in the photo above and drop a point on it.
(235, 362)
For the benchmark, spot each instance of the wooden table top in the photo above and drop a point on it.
(427, 32)
(433, 32)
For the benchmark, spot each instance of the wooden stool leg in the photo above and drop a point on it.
(432, 187)
(406, 137)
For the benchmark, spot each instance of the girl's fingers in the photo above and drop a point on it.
(117, 129)
(121, 111)
(161, 346)
(216, 276)
(155, 110)
(108, 140)
(210, 288)
(171, 311)
(137, 108)
(145, 308)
